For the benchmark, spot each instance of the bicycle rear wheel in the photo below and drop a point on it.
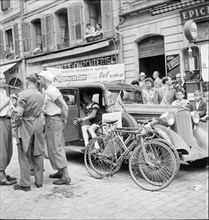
(103, 161)
(155, 170)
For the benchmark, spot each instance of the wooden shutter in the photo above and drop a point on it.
(75, 21)
(26, 37)
(107, 18)
(49, 32)
(43, 32)
(1, 45)
(16, 40)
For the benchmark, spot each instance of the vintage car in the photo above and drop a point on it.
(179, 127)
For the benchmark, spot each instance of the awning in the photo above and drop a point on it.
(6, 67)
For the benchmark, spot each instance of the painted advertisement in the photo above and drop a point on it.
(173, 65)
(106, 73)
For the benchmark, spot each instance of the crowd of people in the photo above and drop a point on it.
(40, 119)
(167, 91)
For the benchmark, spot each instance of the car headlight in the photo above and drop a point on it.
(195, 117)
(168, 118)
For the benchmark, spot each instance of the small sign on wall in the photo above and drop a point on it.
(173, 65)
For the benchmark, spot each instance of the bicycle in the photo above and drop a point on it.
(152, 163)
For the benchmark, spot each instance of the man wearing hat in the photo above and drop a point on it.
(5, 135)
(142, 77)
(56, 114)
(30, 136)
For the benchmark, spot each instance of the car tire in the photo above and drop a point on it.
(201, 163)
(128, 121)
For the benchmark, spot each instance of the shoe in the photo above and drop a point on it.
(10, 178)
(38, 185)
(24, 188)
(6, 182)
(62, 182)
(55, 175)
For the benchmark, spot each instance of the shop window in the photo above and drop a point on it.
(9, 52)
(5, 4)
(36, 36)
(63, 30)
(100, 20)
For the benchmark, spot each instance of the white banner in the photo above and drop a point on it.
(89, 74)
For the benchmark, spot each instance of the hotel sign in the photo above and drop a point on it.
(195, 13)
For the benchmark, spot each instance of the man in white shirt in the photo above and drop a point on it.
(56, 114)
(5, 135)
(157, 80)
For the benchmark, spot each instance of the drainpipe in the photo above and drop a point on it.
(23, 60)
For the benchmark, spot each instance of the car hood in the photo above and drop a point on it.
(150, 109)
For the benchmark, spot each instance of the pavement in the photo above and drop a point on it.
(116, 197)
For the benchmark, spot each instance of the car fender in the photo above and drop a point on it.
(201, 135)
(172, 137)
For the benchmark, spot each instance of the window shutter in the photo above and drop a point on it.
(49, 32)
(43, 32)
(26, 36)
(1, 45)
(16, 40)
(107, 18)
(75, 21)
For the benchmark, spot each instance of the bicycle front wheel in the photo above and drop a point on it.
(102, 155)
(154, 167)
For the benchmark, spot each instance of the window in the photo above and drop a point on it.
(100, 17)
(37, 36)
(5, 4)
(9, 53)
(69, 96)
(63, 30)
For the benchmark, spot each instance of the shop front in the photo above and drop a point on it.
(13, 75)
(196, 53)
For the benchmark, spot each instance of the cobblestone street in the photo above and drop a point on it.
(112, 198)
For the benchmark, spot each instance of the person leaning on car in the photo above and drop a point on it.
(56, 114)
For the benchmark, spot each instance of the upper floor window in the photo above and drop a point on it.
(5, 4)
(100, 20)
(63, 30)
(9, 53)
(37, 36)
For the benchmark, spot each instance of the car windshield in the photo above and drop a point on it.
(128, 96)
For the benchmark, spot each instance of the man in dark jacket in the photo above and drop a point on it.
(199, 105)
(30, 136)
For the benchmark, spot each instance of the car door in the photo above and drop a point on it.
(71, 97)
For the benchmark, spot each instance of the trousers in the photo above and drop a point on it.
(26, 161)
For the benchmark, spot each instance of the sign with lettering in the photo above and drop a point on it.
(197, 12)
(190, 30)
(88, 74)
(173, 65)
(99, 61)
(205, 61)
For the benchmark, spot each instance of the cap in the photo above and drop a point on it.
(178, 75)
(32, 77)
(142, 74)
(47, 75)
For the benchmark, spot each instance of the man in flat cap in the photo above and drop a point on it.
(30, 136)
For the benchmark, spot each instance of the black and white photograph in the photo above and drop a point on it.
(104, 108)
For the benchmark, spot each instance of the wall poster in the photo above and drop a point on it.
(173, 65)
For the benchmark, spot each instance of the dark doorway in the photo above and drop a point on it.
(150, 64)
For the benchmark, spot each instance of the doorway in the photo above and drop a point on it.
(152, 55)
(150, 64)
